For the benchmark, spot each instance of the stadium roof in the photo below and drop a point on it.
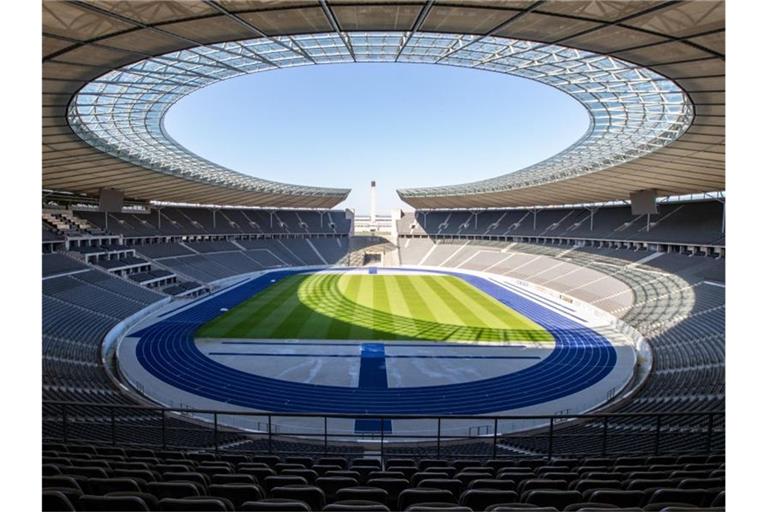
(651, 75)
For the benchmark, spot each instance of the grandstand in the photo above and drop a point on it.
(390, 396)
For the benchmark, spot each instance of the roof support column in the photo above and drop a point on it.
(592, 211)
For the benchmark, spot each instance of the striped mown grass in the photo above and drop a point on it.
(374, 307)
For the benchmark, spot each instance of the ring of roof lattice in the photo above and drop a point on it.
(633, 110)
(679, 41)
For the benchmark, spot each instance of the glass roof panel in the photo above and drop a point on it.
(633, 110)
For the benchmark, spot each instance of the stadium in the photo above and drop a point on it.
(548, 339)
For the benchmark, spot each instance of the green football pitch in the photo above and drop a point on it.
(374, 307)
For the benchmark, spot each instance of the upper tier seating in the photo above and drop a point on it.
(691, 222)
(200, 221)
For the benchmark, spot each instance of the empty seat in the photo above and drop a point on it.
(450, 484)
(701, 483)
(364, 461)
(467, 463)
(480, 499)
(187, 476)
(51, 470)
(211, 470)
(393, 487)
(308, 474)
(449, 470)
(385, 474)
(520, 507)
(694, 497)
(408, 471)
(198, 504)
(101, 486)
(365, 493)
(271, 482)
(309, 494)
(423, 495)
(587, 485)
(331, 484)
(364, 471)
(579, 507)
(150, 499)
(618, 497)
(446, 507)
(304, 461)
(493, 483)
(322, 469)
(112, 503)
(551, 498)
(333, 461)
(356, 506)
(259, 473)
(418, 477)
(275, 505)
(538, 483)
(282, 466)
(269, 460)
(236, 493)
(346, 473)
(401, 462)
(61, 481)
(56, 501)
(86, 471)
(467, 476)
(173, 489)
(559, 475)
(426, 463)
(234, 478)
(517, 476)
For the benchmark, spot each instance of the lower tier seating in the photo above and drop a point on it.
(88, 477)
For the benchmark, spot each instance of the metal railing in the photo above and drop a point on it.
(322, 434)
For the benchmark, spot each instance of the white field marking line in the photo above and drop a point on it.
(713, 283)
(565, 252)
(431, 249)
(454, 253)
(505, 258)
(315, 249)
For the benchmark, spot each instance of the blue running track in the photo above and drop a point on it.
(580, 358)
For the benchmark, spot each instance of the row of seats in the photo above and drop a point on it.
(676, 222)
(198, 221)
(88, 477)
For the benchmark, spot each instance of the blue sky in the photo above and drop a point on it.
(404, 125)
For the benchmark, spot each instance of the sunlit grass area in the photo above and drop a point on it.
(374, 307)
